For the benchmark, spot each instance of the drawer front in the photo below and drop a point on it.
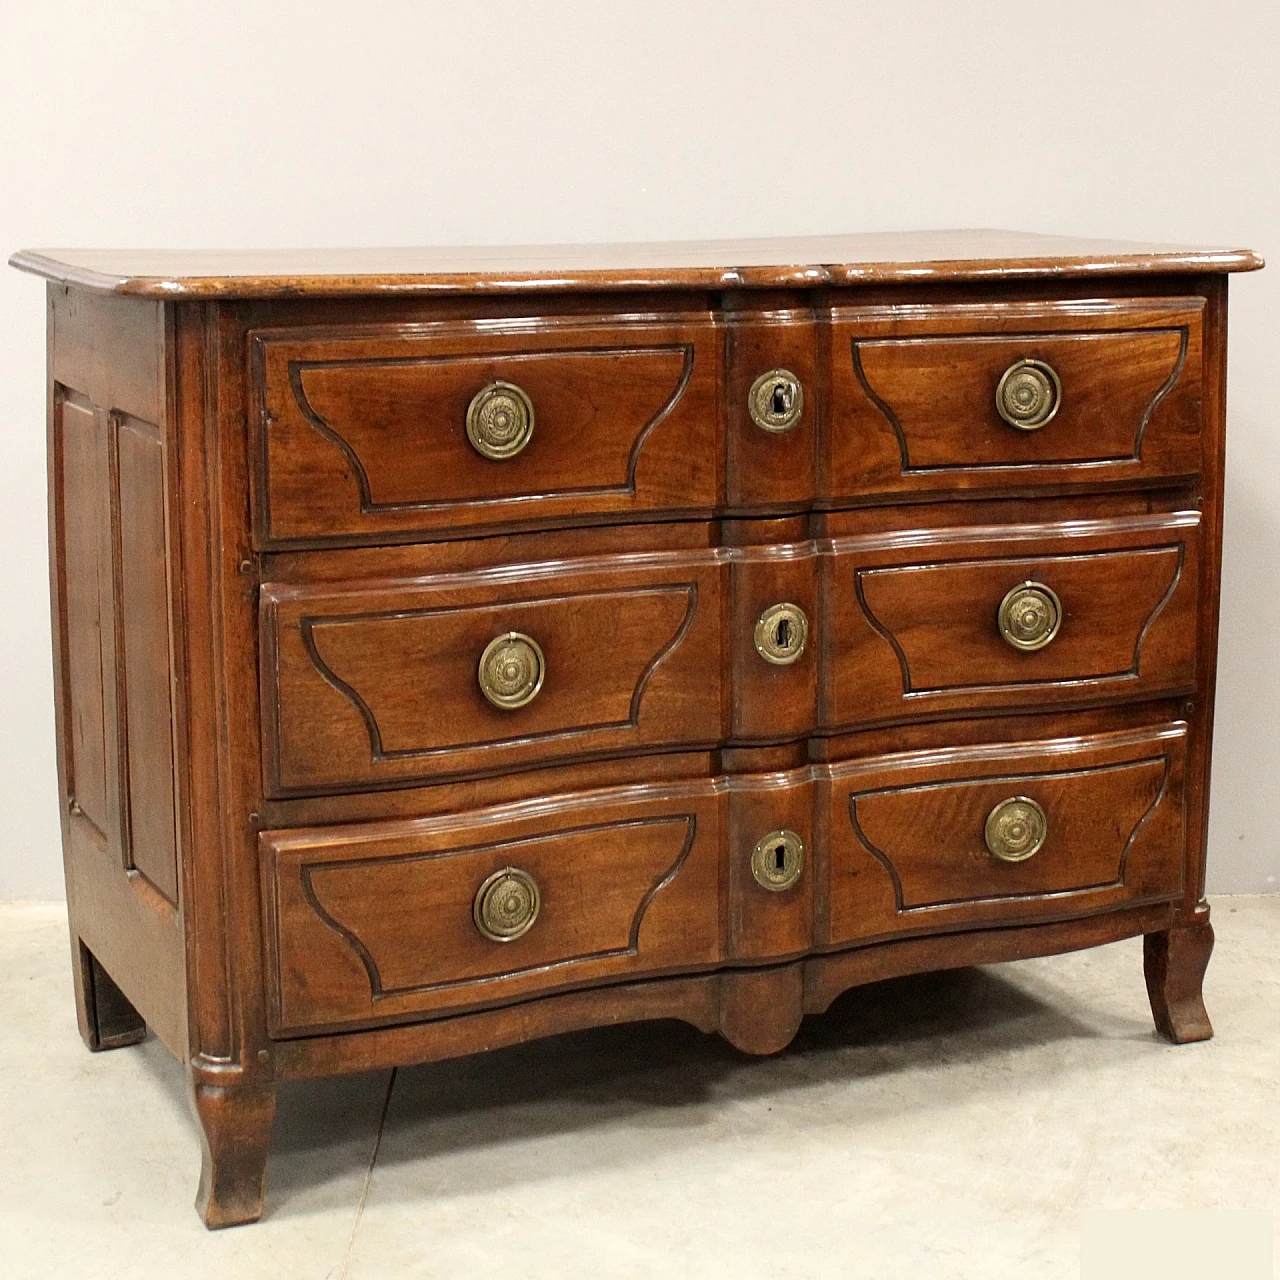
(915, 623)
(910, 835)
(393, 920)
(396, 430)
(367, 685)
(916, 395)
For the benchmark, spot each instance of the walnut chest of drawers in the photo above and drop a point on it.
(456, 647)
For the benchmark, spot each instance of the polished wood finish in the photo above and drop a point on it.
(912, 621)
(363, 432)
(366, 685)
(276, 560)
(913, 409)
(906, 842)
(799, 262)
(375, 922)
(1175, 961)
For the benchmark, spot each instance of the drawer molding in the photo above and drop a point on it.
(380, 752)
(379, 990)
(1016, 782)
(370, 505)
(910, 689)
(1135, 455)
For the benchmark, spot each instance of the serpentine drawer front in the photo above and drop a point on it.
(484, 671)
(453, 650)
(988, 395)
(413, 429)
(390, 920)
(1032, 615)
(1004, 832)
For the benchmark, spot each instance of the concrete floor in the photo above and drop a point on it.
(954, 1125)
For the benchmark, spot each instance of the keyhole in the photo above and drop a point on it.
(782, 635)
(780, 857)
(781, 399)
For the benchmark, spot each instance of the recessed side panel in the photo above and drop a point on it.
(143, 652)
(81, 491)
(109, 397)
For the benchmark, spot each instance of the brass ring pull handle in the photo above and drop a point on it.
(1029, 616)
(1028, 394)
(776, 400)
(512, 668)
(506, 905)
(499, 421)
(1016, 829)
(777, 861)
(782, 633)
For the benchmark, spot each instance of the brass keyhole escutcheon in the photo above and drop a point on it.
(499, 421)
(506, 905)
(777, 861)
(1028, 394)
(776, 400)
(1016, 829)
(782, 633)
(512, 668)
(1029, 616)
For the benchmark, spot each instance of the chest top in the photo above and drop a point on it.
(794, 262)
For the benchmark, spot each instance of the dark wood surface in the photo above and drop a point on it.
(912, 406)
(363, 430)
(798, 262)
(276, 559)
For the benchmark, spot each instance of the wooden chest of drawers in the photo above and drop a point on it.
(454, 648)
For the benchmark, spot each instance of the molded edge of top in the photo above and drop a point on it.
(804, 262)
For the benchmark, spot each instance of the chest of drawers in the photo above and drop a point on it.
(457, 647)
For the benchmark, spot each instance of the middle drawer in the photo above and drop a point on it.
(479, 671)
(417, 670)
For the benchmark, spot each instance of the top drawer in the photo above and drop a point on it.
(1001, 396)
(390, 431)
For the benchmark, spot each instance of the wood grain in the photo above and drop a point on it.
(913, 620)
(913, 394)
(363, 430)
(798, 262)
(275, 560)
(906, 836)
(377, 684)
(374, 923)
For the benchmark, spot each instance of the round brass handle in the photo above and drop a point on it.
(512, 668)
(777, 861)
(776, 400)
(1028, 394)
(1029, 616)
(782, 633)
(1016, 829)
(499, 421)
(507, 904)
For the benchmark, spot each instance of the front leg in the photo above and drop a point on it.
(1175, 961)
(235, 1117)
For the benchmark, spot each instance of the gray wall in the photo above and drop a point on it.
(249, 124)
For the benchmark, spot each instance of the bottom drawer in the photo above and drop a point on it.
(1002, 832)
(386, 921)
(397, 920)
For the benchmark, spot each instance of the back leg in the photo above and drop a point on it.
(107, 1019)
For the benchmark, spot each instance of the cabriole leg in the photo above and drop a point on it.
(235, 1123)
(1175, 962)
